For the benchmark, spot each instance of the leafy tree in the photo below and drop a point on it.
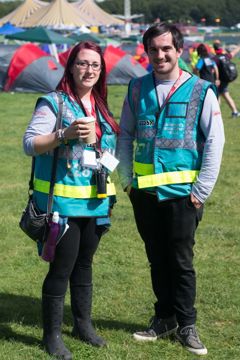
(182, 11)
(7, 7)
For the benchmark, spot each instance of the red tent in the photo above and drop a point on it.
(121, 67)
(140, 50)
(32, 70)
(63, 57)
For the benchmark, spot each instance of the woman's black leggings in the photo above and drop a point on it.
(73, 258)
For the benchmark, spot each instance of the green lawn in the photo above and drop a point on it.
(123, 300)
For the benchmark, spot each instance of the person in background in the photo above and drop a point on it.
(84, 92)
(206, 66)
(223, 87)
(175, 120)
(193, 55)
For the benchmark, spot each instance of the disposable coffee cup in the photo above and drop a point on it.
(91, 138)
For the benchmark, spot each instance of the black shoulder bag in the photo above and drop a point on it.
(34, 223)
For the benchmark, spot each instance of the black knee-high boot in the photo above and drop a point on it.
(52, 311)
(81, 304)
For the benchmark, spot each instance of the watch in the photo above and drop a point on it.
(60, 135)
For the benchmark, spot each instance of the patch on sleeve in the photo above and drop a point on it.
(216, 113)
(39, 112)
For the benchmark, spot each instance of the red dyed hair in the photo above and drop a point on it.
(99, 90)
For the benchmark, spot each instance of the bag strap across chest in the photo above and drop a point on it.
(54, 164)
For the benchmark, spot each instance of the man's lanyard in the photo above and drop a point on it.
(171, 91)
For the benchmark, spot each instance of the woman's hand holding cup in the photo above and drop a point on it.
(83, 128)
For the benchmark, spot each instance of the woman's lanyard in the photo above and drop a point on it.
(171, 91)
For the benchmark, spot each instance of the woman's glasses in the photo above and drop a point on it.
(84, 65)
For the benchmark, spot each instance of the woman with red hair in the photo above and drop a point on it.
(83, 91)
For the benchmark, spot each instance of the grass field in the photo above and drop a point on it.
(123, 300)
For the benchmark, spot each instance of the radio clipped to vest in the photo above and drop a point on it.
(105, 164)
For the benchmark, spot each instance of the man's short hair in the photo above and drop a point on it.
(163, 28)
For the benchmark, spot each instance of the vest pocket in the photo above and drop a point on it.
(176, 109)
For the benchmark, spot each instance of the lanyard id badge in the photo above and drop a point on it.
(109, 161)
(89, 159)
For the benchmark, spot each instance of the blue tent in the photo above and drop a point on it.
(41, 35)
(8, 29)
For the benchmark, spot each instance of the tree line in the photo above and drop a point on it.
(184, 11)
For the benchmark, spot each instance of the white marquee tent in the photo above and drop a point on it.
(59, 14)
(95, 15)
(23, 12)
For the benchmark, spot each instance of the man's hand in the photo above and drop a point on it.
(195, 201)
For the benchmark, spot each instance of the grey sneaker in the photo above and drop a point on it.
(235, 114)
(189, 338)
(158, 328)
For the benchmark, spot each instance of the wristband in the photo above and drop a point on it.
(60, 135)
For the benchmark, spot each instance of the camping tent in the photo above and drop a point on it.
(27, 68)
(32, 70)
(94, 15)
(22, 12)
(59, 14)
(121, 67)
(86, 37)
(6, 53)
(101, 41)
(41, 35)
(8, 29)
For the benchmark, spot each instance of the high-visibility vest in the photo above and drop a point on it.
(75, 186)
(169, 143)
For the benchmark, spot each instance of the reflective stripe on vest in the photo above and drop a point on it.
(173, 177)
(143, 169)
(69, 191)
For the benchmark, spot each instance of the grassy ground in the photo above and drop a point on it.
(123, 300)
